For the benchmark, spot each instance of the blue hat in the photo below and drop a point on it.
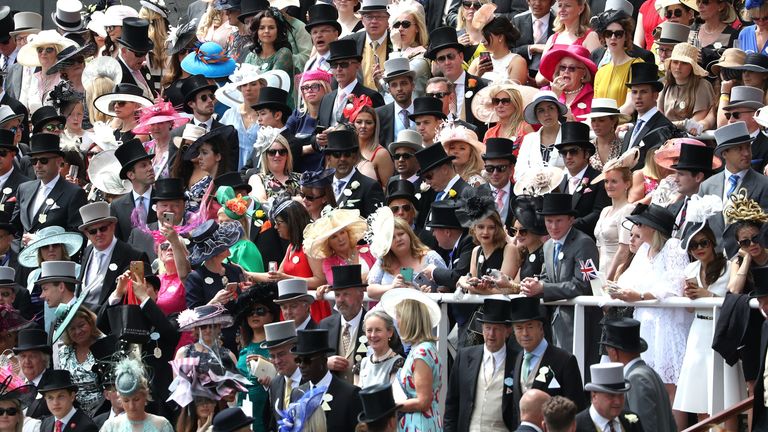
(210, 60)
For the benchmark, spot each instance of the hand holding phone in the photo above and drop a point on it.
(137, 268)
(407, 274)
(168, 217)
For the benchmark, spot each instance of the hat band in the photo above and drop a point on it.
(737, 140)
(64, 23)
(606, 110)
(397, 72)
(613, 386)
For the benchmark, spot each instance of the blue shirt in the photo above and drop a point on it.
(537, 354)
(246, 137)
(748, 41)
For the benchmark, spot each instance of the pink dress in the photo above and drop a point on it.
(367, 262)
(171, 299)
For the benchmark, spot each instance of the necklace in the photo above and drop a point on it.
(573, 92)
(387, 355)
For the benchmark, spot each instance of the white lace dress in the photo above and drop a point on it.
(665, 329)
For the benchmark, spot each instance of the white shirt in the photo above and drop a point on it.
(354, 323)
(39, 201)
(346, 180)
(382, 40)
(602, 422)
(326, 381)
(460, 82)
(208, 123)
(399, 124)
(66, 418)
(579, 175)
(295, 378)
(498, 356)
(4, 177)
(319, 61)
(303, 325)
(147, 196)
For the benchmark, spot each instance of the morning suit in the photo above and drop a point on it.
(144, 242)
(128, 78)
(275, 402)
(65, 201)
(360, 39)
(121, 258)
(366, 197)
(389, 114)
(121, 208)
(675, 209)
(458, 261)
(648, 398)
(38, 408)
(16, 178)
(584, 422)
(12, 82)
(429, 196)
(79, 422)
(759, 410)
(462, 388)
(760, 152)
(332, 323)
(524, 22)
(434, 12)
(656, 121)
(344, 408)
(562, 379)
(325, 112)
(588, 201)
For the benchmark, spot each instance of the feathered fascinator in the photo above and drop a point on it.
(298, 413)
(129, 376)
(742, 208)
(601, 22)
(381, 229)
(267, 135)
(698, 210)
(262, 293)
(355, 105)
(63, 94)
(11, 320)
(477, 204)
(183, 33)
(195, 379)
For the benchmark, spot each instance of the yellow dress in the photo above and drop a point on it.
(610, 81)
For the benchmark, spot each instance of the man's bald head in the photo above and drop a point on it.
(531, 405)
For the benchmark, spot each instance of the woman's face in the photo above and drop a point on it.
(54, 252)
(313, 92)
(377, 334)
(754, 79)
(339, 242)
(678, 14)
(604, 127)
(207, 160)
(75, 117)
(569, 11)
(485, 230)
(547, 113)
(502, 105)
(523, 237)
(615, 186)
(461, 151)
(251, 90)
(313, 199)
(746, 237)
(165, 252)
(80, 332)
(681, 71)
(709, 9)
(209, 332)
(114, 32)
(75, 71)
(400, 241)
(267, 31)
(259, 316)
(161, 130)
(282, 229)
(47, 55)
(134, 405)
(701, 248)
(125, 110)
(407, 35)
(204, 407)
(572, 72)
(277, 156)
(8, 422)
(612, 41)
(469, 8)
(365, 125)
(10, 125)
(634, 239)
(347, 6)
(646, 233)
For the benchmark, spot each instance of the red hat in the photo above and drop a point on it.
(558, 52)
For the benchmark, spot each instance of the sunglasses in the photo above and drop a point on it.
(438, 95)
(693, 245)
(14, 129)
(759, 18)
(306, 360)
(404, 207)
(343, 65)
(312, 87)
(109, 28)
(259, 311)
(471, 5)
(12, 411)
(443, 58)
(570, 151)
(494, 168)
(611, 33)
(50, 127)
(569, 68)
(277, 152)
(737, 114)
(309, 197)
(100, 229)
(503, 101)
(340, 154)
(205, 97)
(120, 103)
(404, 24)
(47, 50)
(403, 156)
(748, 242)
(42, 160)
(165, 246)
(518, 231)
(5, 294)
(677, 13)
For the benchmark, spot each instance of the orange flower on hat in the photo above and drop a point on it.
(237, 205)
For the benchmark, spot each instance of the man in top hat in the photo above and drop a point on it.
(647, 397)
(692, 168)
(345, 62)
(11, 293)
(644, 88)
(9, 120)
(323, 26)
(57, 282)
(565, 253)
(536, 25)
(401, 199)
(445, 49)
(136, 167)
(10, 176)
(166, 205)
(499, 164)
(670, 35)
(743, 103)
(607, 413)
(394, 117)
(295, 302)
(589, 198)
(352, 189)
(373, 44)
(232, 420)
(280, 338)
(25, 24)
(105, 258)
(34, 354)
(403, 151)
(379, 408)
(760, 403)
(428, 113)
(480, 390)
(49, 200)
(734, 147)
(273, 111)
(59, 392)
(541, 365)
(135, 44)
(438, 172)
(311, 353)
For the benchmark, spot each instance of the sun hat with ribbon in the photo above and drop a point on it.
(47, 236)
(204, 315)
(209, 60)
(211, 238)
(605, 107)
(123, 92)
(27, 55)
(65, 57)
(160, 112)
(686, 53)
(730, 58)
(317, 233)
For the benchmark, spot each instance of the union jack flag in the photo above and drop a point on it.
(588, 270)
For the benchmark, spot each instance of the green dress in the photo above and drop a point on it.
(245, 254)
(256, 392)
(282, 59)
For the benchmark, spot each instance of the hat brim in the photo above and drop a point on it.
(529, 113)
(432, 51)
(291, 297)
(744, 104)
(641, 219)
(277, 343)
(320, 350)
(361, 418)
(57, 387)
(68, 318)
(82, 227)
(657, 85)
(723, 147)
(144, 128)
(623, 118)
(482, 319)
(583, 144)
(436, 164)
(223, 319)
(603, 389)
(193, 66)
(750, 68)
(102, 102)
(394, 297)
(57, 279)
(557, 213)
(38, 127)
(398, 144)
(213, 136)
(44, 348)
(641, 348)
(334, 24)
(553, 57)
(341, 287)
(71, 241)
(697, 69)
(128, 165)
(87, 50)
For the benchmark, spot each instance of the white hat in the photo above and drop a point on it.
(104, 172)
(115, 14)
(27, 22)
(191, 132)
(395, 296)
(28, 53)
(96, 24)
(67, 15)
(245, 73)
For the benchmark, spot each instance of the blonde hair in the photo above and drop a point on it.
(19, 414)
(93, 89)
(517, 105)
(158, 33)
(288, 158)
(418, 249)
(211, 18)
(326, 86)
(583, 20)
(461, 22)
(416, 11)
(758, 11)
(474, 165)
(89, 317)
(414, 322)
(658, 240)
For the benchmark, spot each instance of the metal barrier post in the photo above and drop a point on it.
(578, 337)
(716, 401)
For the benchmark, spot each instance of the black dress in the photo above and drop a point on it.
(533, 264)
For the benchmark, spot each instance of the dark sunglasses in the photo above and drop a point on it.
(748, 242)
(443, 58)
(259, 311)
(438, 95)
(165, 246)
(120, 103)
(737, 114)
(693, 245)
(340, 154)
(100, 229)
(205, 97)
(759, 18)
(611, 33)
(343, 65)
(404, 207)
(518, 231)
(42, 160)
(313, 87)
(47, 50)
(5, 294)
(138, 53)
(569, 151)
(306, 359)
(50, 127)
(12, 411)
(405, 24)
(677, 13)
(471, 5)
(493, 168)
(503, 101)
(571, 69)
(309, 197)
(403, 156)
(277, 152)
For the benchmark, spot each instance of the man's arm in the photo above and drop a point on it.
(576, 285)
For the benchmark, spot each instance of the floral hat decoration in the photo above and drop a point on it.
(381, 230)
(236, 205)
(539, 182)
(699, 209)
(354, 105)
(295, 417)
(477, 204)
(11, 320)
(160, 112)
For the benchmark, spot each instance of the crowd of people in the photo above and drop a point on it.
(233, 220)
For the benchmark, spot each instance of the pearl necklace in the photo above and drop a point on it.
(573, 92)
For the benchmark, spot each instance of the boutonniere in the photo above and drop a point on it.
(354, 185)
(258, 217)
(327, 398)
(544, 372)
(584, 185)
(72, 425)
(631, 418)
(424, 187)
(452, 193)
(471, 83)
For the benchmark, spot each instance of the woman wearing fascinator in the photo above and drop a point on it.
(158, 121)
(317, 191)
(374, 162)
(70, 104)
(180, 42)
(132, 386)
(15, 396)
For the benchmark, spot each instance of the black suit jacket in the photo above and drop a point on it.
(16, 178)
(525, 428)
(345, 406)
(79, 422)
(657, 120)
(366, 197)
(38, 409)
(588, 201)
(121, 208)
(129, 79)
(65, 212)
(563, 367)
(428, 197)
(122, 255)
(760, 152)
(462, 384)
(584, 422)
(325, 112)
(524, 22)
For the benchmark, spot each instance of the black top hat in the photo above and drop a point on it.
(135, 35)
(695, 158)
(191, 86)
(499, 148)
(654, 216)
(760, 276)
(45, 115)
(6, 23)
(230, 420)
(168, 189)
(6, 140)
(56, 379)
(754, 62)
(427, 105)
(441, 38)
(557, 204)
(344, 49)
(129, 153)
(624, 334)
(378, 402)
(341, 140)
(432, 157)
(524, 309)
(32, 340)
(45, 143)
(104, 349)
(323, 14)
(249, 8)
(645, 73)
(311, 342)
(402, 189)
(233, 180)
(575, 133)
(526, 212)
(275, 99)
(347, 276)
(495, 311)
(444, 214)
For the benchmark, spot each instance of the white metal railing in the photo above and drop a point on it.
(716, 401)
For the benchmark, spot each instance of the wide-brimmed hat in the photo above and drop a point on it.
(232, 179)
(231, 420)
(94, 213)
(190, 133)
(731, 135)
(529, 113)
(397, 67)
(209, 60)
(317, 233)
(135, 35)
(442, 38)
(115, 14)
(347, 276)
(654, 216)
(96, 24)
(215, 137)
(343, 49)
(495, 311)
(230, 93)
(608, 378)
(444, 214)
(264, 294)
(44, 115)
(754, 62)
(731, 58)
(645, 73)
(166, 189)
(279, 333)
(746, 97)
(482, 103)
(58, 271)
(432, 157)
(406, 138)
(695, 158)
(624, 334)
(104, 172)
(47, 236)
(525, 210)
(65, 56)
(577, 52)
(292, 289)
(210, 239)
(661, 5)
(7, 114)
(32, 339)
(27, 55)
(427, 105)
(181, 36)
(699, 208)
(26, 23)
(453, 132)
(123, 92)
(156, 6)
(555, 204)
(605, 107)
(56, 379)
(44, 143)
(575, 133)
(311, 342)
(192, 85)
(394, 297)
(401, 189)
(160, 112)
(317, 179)
(524, 309)
(378, 402)
(103, 67)
(130, 153)
(274, 99)
(322, 14)
(686, 53)
(67, 15)
(203, 316)
(249, 8)
(381, 230)
(669, 153)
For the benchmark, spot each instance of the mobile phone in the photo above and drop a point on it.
(485, 57)
(272, 266)
(422, 279)
(320, 129)
(168, 217)
(73, 170)
(137, 268)
(232, 288)
(407, 273)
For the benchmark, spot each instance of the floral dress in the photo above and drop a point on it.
(195, 193)
(274, 188)
(432, 419)
(88, 392)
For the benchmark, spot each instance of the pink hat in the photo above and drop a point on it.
(316, 75)
(558, 52)
(158, 113)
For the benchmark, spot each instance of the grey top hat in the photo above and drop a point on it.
(397, 67)
(373, 6)
(95, 213)
(58, 271)
(406, 138)
(26, 22)
(67, 16)
(619, 5)
(731, 135)
(7, 277)
(672, 33)
(292, 289)
(746, 97)
(608, 378)
(7, 114)
(279, 333)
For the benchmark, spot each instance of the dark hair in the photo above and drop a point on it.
(282, 30)
(628, 25)
(504, 27)
(296, 218)
(74, 157)
(246, 332)
(109, 46)
(183, 169)
(717, 267)
(559, 413)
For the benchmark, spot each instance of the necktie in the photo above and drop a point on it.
(287, 392)
(733, 180)
(142, 208)
(141, 82)
(636, 131)
(610, 426)
(500, 200)
(526, 365)
(203, 125)
(556, 255)
(340, 104)
(39, 200)
(59, 426)
(536, 30)
(340, 186)
(346, 339)
(439, 196)
(683, 212)
(489, 368)
(573, 183)
(95, 271)
(406, 120)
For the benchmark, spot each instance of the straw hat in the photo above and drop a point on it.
(661, 5)
(318, 232)
(27, 55)
(482, 107)
(605, 107)
(453, 132)
(686, 53)
(731, 58)
(191, 133)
